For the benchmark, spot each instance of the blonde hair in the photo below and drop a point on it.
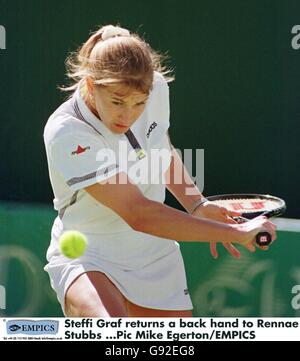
(113, 55)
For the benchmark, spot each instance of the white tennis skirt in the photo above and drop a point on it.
(160, 284)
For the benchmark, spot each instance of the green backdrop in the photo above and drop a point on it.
(257, 284)
(236, 95)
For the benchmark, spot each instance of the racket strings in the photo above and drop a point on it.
(248, 205)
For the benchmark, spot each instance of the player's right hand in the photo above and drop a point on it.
(250, 229)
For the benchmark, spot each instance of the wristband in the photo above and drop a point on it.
(198, 203)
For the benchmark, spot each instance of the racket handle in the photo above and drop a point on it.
(263, 239)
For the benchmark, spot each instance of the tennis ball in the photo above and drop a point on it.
(72, 244)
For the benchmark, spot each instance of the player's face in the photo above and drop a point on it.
(119, 106)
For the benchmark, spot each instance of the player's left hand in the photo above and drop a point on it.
(220, 214)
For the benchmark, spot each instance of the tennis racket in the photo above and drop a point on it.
(251, 206)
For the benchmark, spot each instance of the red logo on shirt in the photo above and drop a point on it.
(80, 150)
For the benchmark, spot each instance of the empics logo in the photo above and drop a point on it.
(296, 39)
(2, 38)
(28, 327)
(2, 298)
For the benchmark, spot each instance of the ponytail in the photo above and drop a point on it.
(113, 55)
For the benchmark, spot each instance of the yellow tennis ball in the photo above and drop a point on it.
(72, 244)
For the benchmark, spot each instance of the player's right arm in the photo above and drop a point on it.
(147, 216)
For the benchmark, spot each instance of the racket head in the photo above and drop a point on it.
(251, 205)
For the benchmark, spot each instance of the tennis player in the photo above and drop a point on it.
(99, 145)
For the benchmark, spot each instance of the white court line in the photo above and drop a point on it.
(287, 224)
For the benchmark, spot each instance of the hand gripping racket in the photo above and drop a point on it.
(251, 206)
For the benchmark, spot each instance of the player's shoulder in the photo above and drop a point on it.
(159, 94)
(159, 80)
(64, 123)
(160, 88)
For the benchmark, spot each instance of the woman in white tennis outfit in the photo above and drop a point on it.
(101, 146)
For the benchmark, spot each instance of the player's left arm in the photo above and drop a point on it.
(180, 184)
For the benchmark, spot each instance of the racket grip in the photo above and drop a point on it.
(263, 239)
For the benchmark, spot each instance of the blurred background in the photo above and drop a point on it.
(236, 96)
